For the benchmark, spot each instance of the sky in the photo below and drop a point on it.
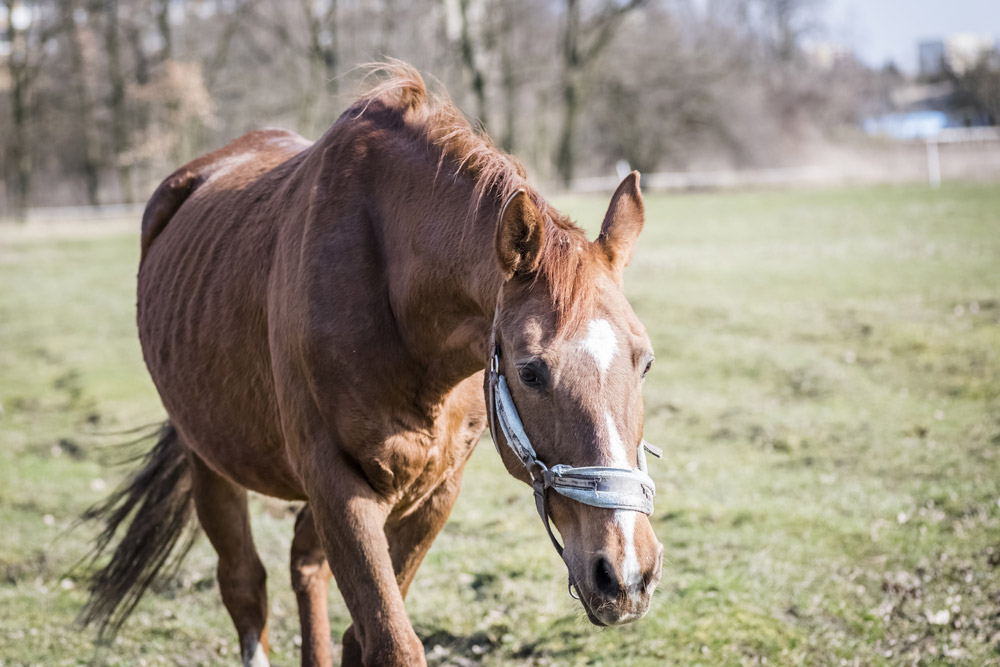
(883, 30)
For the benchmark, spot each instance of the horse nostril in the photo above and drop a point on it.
(604, 577)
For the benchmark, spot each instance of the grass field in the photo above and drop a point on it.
(827, 390)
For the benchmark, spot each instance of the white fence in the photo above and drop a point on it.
(958, 153)
(85, 213)
(710, 180)
(955, 135)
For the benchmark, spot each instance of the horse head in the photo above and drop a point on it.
(564, 392)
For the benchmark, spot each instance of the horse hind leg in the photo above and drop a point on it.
(223, 514)
(310, 581)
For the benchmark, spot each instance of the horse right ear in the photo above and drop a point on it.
(519, 237)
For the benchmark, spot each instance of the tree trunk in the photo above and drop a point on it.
(139, 57)
(84, 107)
(119, 112)
(508, 78)
(330, 46)
(323, 59)
(163, 25)
(387, 35)
(471, 62)
(18, 165)
(570, 92)
(566, 156)
(233, 25)
(576, 57)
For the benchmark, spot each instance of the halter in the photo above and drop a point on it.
(597, 486)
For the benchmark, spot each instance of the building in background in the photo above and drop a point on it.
(954, 53)
(939, 99)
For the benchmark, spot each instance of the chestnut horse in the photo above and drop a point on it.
(317, 319)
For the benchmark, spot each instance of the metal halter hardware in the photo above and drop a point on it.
(598, 486)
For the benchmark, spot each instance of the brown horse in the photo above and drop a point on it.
(317, 319)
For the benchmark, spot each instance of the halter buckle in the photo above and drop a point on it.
(573, 592)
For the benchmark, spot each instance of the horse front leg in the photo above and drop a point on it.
(410, 538)
(351, 520)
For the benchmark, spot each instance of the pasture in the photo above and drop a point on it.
(827, 392)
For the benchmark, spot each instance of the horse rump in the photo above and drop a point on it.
(154, 505)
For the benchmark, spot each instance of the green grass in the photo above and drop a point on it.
(827, 390)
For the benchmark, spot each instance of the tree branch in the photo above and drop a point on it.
(602, 27)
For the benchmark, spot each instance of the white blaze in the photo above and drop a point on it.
(600, 343)
(619, 458)
(631, 575)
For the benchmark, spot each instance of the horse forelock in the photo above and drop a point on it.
(568, 272)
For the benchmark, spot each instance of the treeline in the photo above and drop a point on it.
(102, 98)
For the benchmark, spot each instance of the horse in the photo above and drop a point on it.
(337, 323)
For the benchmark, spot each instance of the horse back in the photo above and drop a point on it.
(177, 188)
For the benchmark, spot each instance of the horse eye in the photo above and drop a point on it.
(531, 376)
(649, 365)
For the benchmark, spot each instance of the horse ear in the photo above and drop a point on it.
(623, 222)
(519, 237)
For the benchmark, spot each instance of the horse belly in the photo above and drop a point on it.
(204, 338)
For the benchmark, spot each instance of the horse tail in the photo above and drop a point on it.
(156, 504)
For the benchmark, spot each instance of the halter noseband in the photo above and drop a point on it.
(597, 486)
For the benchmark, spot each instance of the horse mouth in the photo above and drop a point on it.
(591, 616)
(587, 603)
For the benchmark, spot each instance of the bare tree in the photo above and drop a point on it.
(236, 20)
(387, 34)
(303, 36)
(694, 84)
(84, 106)
(163, 25)
(119, 111)
(582, 42)
(30, 30)
(322, 54)
(786, 22)
(323, 42)
(18, 163)
(510, 79)
(471, 59)
(978, 88)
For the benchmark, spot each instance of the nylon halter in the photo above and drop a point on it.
(597, 486)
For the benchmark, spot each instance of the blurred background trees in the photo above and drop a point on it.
(101, 99)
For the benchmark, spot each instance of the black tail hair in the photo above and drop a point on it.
(158, 499)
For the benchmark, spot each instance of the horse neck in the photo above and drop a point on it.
(444, 278)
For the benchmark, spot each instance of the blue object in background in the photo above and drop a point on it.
(908, 125)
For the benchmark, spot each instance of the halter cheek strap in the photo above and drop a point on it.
(597, 486)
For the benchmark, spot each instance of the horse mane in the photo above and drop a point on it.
(496, 175)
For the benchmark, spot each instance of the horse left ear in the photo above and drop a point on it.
(623, 222)
(520, 235)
